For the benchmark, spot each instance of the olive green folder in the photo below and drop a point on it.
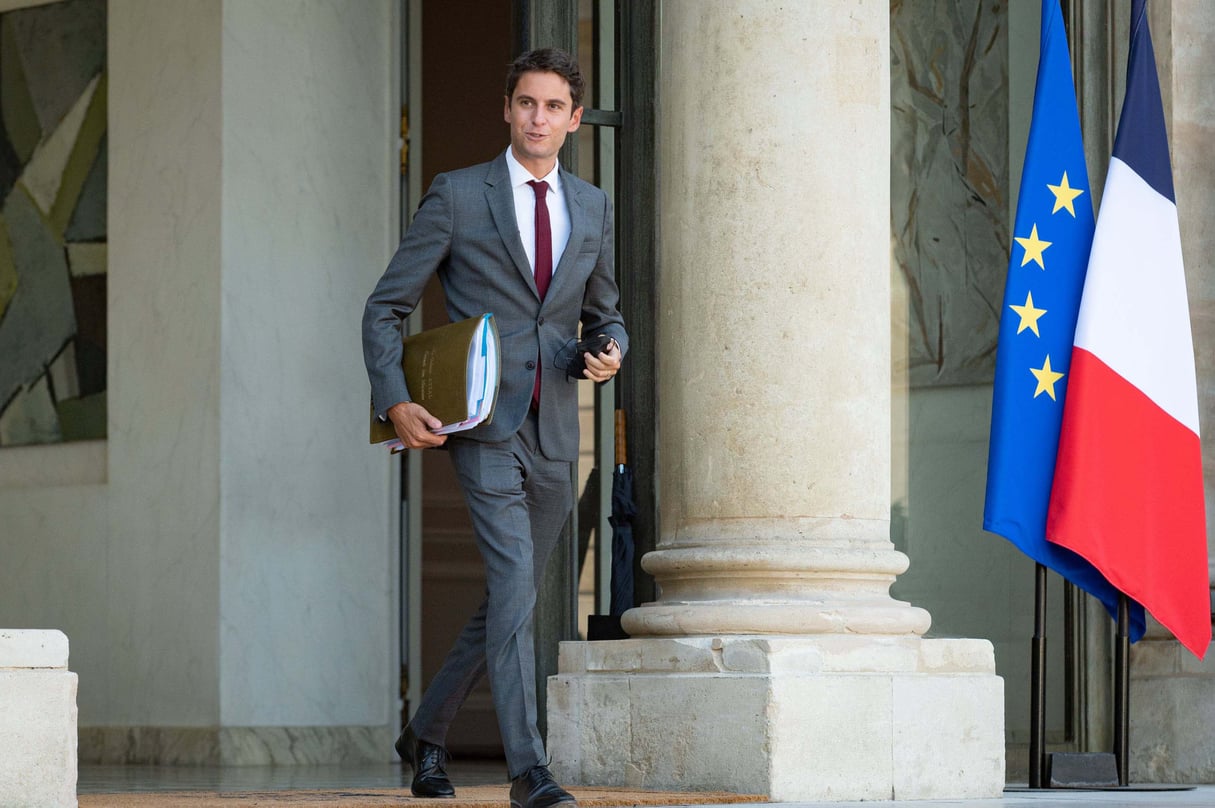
(453, 371)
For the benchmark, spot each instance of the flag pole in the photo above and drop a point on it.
(1037, 685)
(1122, 691)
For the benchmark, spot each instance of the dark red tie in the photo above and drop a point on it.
(543, 269)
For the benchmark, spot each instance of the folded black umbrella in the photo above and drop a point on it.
(623, 511)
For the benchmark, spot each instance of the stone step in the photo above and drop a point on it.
(37, 720)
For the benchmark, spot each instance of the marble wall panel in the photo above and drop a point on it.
(55, 560)
(162, 650)
(949, 182)
(235, 746)
(309, 110)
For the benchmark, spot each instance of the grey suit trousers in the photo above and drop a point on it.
(519, 501)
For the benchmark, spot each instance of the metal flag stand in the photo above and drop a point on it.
(1122, 691)
(1075, 770)
(1037, 684)
(1100, 771)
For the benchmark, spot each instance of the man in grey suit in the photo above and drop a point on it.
(524, 239)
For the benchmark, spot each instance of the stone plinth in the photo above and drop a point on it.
(831, 717)
(1172, 706)
(37, 720)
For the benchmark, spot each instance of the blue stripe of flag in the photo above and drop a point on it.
(1144, 144)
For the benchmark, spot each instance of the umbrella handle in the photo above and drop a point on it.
(621, 439)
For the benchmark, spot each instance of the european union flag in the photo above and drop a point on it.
(1052, 235)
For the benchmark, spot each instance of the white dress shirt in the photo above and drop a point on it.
(525, 210)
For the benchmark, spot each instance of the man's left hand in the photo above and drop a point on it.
(604, 366)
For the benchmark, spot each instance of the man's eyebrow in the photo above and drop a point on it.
(523, 97)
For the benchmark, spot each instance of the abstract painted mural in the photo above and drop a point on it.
(53, 223)
(949, 183)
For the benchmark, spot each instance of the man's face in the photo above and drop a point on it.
(540, 113)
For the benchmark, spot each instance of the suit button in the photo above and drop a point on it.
(540, 321)
(531, 365)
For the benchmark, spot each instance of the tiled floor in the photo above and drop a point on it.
(126, 779)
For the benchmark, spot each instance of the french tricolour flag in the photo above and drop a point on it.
(1128, 493)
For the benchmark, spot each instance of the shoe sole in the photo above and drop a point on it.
(571, 801)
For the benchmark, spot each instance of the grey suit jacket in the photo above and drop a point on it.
(465, 230)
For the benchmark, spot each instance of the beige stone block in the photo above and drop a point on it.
(1170, 732)
(599, 746)
(564, 704)
(37, 738)
(964, 717)
(32, 648)
(794, 735)
(571, 657)
(1152, 657)
(654, 731)
(678, 743)
(848, 654)
(687, 655)
(1189, 664)
(957, 656)
(830, 738)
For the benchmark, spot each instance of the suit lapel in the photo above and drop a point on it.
(579, 229)
(501, 199)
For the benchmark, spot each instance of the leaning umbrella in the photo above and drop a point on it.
(623, 511)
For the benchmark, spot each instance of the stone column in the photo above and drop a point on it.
(775, 660)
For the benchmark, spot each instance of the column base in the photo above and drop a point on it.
(832, 717)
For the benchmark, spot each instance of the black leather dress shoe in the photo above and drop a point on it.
(428, 762)
(536, 788)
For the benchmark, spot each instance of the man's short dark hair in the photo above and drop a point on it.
(548, 60)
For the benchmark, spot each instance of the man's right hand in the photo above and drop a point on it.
(413, 425)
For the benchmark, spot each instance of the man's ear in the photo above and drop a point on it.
(506, 109)
(575, 120)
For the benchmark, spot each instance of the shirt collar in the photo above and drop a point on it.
(521, 176)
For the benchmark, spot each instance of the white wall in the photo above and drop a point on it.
(162, 596)
(226, 558)
(307, 588)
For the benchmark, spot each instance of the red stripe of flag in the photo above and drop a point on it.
(1128, 481)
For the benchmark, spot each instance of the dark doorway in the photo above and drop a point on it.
(454, 61)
